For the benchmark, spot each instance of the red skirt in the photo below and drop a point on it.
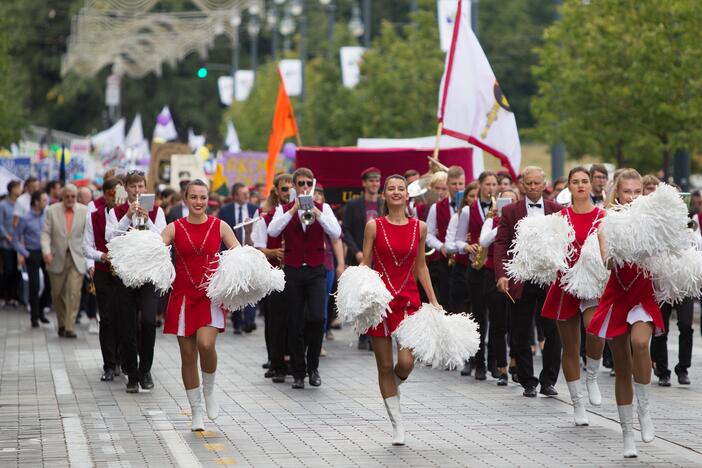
(186, 313)
(560, 305)
(400, 308)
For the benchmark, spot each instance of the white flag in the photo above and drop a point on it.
(351, 58)
(109, 140)
(291, 71)
(195, 141)
(471, 104)
(165, 128)
(136, 133)
(232, 140)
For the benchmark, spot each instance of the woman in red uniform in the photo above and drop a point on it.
(627, 315)
(394, 246)
(190, 314)
(566, 309)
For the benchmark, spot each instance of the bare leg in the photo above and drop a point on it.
(594, 345)
(188, 361)
(405, 363)
(570, 341)
(640, 338)
(206, 339)
(621, 353)
(382, 348)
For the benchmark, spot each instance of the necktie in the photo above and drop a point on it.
(240, 231)
(535, 205)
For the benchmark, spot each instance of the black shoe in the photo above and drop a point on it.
(364, 345)
(315, 379)
(548, 390)
(237, 331)
(467, 369)
(683, 379)
(116, 370)
(269, 373)
(69, 334)
(147, 383)
(133, 386)
(502, 380)
(35, 324)
(43, 319)
(493, 370)
(279, 377)
(249, 327)
(61, 331)
(664, 381)
(530, 392)
(159, 323)
(108, 375)
(298, 383)
(480, 374)
(266, 365)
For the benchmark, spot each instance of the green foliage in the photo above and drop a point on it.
(622, 80)
(12, 106)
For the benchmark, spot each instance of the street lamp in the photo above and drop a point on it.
(286, 28)
(272, 23)
(253, 27)
(331, 7)
(235, 22)
(355, 24)
(296, 7)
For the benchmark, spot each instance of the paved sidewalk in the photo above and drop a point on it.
(55, 412)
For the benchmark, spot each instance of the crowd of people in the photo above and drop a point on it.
(448, 245)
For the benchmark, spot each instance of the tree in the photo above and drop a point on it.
(622, 80)
(12, 97)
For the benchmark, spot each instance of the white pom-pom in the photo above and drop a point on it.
(438, 339)
(651, 225)
(588, 277)
(541, 248)
(677, 276)
(242, 278)
(362, 298)
(141, 257)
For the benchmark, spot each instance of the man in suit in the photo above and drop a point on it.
(180, 210)
(356, 214)
(62, 249)
(236, 212)
(528, 297)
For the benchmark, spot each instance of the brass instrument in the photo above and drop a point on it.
(481, 256)
(307, 205)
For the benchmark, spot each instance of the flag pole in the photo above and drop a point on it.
(435, 158)
(299, 140)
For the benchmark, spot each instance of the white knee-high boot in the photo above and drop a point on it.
(645, 421)
(576, 395)
(208, 390)
(392, 405)
(593, 390)
(195, 399)
(626, 420)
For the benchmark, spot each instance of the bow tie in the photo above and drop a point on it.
(535, 205)
(485, 204)
(453, 204)
(596, 198)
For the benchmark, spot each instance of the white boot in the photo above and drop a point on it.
(626, 419)
(208, 390)
(398, 382)
(392, 404)
(576, 396)
(593, 390)
(647, 431)
(195, 399)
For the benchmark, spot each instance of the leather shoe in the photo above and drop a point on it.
(117, 370)
(548, 390)
(266, 365)
(61, 331)
(147, 383)
(298, 383)
(683, 379)
(43, 319)
(480, 374)
(237, 331)
(133, 386)
(502, 380)
(69, 334)
(108, 375)
(35, 324)
(279, 377)
(664, 381)
(530, 392)
(269, 373)
(249, 327)
(315, 379)
(467, 369)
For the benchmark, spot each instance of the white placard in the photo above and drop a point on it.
(80, 147)
(446, 12)
(244, 85)
(186, 167)
(225, 85)
(351, 58)
(291, 71)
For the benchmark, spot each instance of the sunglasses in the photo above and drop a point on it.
(284, 189)
(301, 183)
(131, 173)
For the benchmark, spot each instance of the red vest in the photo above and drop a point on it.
(303, 246)
(490, 261)
(99, 220)
(443, 216)
(121, 210)
(272, 242)
(475, 223)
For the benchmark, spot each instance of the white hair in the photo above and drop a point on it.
(69, 188)
(533, 170)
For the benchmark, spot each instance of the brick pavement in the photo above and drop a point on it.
(55, 412)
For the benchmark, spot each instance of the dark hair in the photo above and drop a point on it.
(475, 185)
(12, 184)
(196, 183)
(110, 183)
(484, 175)
(35, 197)
(411, 173)
(582, 169)
(302, 172)
(165, 193)
(560, 180)
(597, 168)
(236, 187)
(183, 184)
(384, 210)
(455, 172)
(29, 180)
(51, 184)
(502, 176)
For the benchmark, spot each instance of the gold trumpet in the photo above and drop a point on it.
(481, 256)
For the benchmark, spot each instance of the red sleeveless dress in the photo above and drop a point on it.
(196, 247)
(560, 305)
(394, 252)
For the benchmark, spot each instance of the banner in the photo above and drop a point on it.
(244, 85)
(351, 58)
(20, 166)
(446, 13)
(291, 71)
(80, 147)
(186, 167)
(249, 167)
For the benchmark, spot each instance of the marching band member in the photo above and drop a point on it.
(459, 296)
(598, 178)
(627, 315)
(394, 246)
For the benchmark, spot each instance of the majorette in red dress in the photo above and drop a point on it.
(628, 298)
(560, 305)
(394, 252)
(196, 247)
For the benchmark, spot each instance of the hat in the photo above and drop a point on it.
(370, 172)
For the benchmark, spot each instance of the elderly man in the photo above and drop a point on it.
(62, 249)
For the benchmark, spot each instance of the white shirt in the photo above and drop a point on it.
(488, 233)
(697, 235)
(259, 232)
(185, 210)
(451, 234)
(90, 251)
(432, 228)
(244, 217)
(327, 221)
(534, 210)
(116, 227)
(463, 224)
(22, 205)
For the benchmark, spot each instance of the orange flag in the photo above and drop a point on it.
(284, 126)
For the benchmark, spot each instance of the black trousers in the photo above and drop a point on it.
(106, 290)
(276, 331)
(659, 344)
(304, 292)
(35, 264)
(523, 311)
(440, 273)
(478, 310)
(88, 302)
(458, 289)
(10, 275)
(137, 329)
(497, 309)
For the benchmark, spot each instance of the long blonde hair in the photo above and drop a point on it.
(628, 174)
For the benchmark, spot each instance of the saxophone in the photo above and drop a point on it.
(481, 255)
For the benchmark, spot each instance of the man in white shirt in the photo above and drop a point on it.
(137, 303)
(23, 202)
(305, 276)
